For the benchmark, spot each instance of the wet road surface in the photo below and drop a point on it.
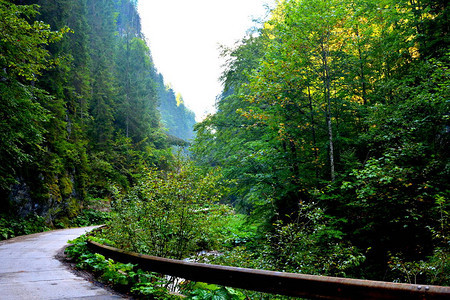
(30, 270)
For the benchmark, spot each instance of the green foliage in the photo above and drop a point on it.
(88, 217)
(175, 116)
(151, 284)
(332, 133)
(21, 131)
(312, 245)
(203, 291)
(136, 113)
(21, 111)
(12, 227)
(17, 33)
(78, 108)
(167, 214)
(434, 269)
(234, 230)
(121, 276)
(340, 107)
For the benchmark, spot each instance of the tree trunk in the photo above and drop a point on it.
(327, 95)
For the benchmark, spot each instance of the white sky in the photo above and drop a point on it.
(184, 37)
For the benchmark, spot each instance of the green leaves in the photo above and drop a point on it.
(22, 45)
(116, 274)
(14, 226)
(202, 291)
(335, 102)
(168, 214)
(23, 57)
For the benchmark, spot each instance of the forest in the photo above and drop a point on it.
(333, 133)
(327, 153)
(82, 107)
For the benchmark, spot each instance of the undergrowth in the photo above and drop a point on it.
(129, 279)
(16, 226)
(126, 278)
(13, 226)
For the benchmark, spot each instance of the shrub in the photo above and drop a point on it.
(124, 277)
(12, 227)
(167, 214)
(89, 217)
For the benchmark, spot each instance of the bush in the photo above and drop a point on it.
(434, 270)
(89, 217)
(123, 277)
(167, 214)
(203, 291)
(12, 227)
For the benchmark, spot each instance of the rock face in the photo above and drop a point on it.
(20, 199)
(51, 198)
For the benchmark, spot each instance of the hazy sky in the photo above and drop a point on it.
(184, 37)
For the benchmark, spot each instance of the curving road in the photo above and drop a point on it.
(29, 269)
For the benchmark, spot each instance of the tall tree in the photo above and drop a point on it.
(101, 120)
(101, 16)
(175, 116)
(334, 114)
(23, 117)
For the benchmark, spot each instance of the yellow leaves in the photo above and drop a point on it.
(269, 27)
(414, 52)
(251, 114)
(357, 99)
(179, 99)
(251, 99)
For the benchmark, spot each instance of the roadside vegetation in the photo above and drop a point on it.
(327, 154)
(178, 215)
(11, 227)
(15, 226)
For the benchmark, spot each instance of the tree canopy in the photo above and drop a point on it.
(340, 106)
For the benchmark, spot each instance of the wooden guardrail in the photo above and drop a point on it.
(288, 284)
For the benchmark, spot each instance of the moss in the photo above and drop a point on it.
(62, 222)
(54, 192)
(73, 207)
(66, 186)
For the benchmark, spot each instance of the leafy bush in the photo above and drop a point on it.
(235, 230)
(89, 217)
(203, 291)
(168, 214)
(124, 277)
(434, 270)
(309, 246)
(11, 227)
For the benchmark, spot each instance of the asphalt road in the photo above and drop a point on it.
(29, 269)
